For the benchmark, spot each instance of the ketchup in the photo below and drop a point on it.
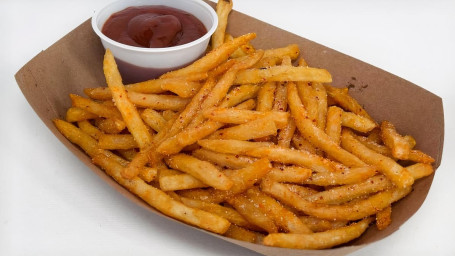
(153, 26)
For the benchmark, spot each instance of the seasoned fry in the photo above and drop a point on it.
(117, 141)
(266, 96)
(342, 194)
(320, 225)
(320, 240)
(384, 218)
(153, 119)
(357, 122)
(286, 134)
(283, 73)
(291, 156)
(395, 172)
(223, 8)
(291, 50)
(239, 94)
(157, 102)
(251, 130)
(202, 170)
(129, 112)
(239, 233)
(75, 114)
(333, 124)
(236, 147)
(398, 144)
(90, 129)
(292, 174)
(172, 182)
(241, 116)
(347, 176)
(212, 59)
(98, 109)
(223, 160)
(108, 125)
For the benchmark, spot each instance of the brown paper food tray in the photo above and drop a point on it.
(75, 62)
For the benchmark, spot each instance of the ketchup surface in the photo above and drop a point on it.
(154, 26)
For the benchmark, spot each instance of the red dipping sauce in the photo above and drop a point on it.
(154, 26)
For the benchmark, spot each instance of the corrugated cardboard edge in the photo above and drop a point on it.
(75, 62)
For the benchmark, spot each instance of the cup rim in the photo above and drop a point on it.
(207, 35)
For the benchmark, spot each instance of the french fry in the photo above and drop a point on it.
(202, 170)
(320, 240)
(283, 73)
(291, 156)
(266, 97)
(236, 147)
(75, 114)
(129, 112)
(241, 116)
(398, 144)
(108, 125)
(291, 50)
(420, 170)
(280, 99)
(153, 119)
(90, 129)
(292, 174)
(384, 218)
(333, 124)
(128, 154)
(301, 143)
(98, 109)
(223, 160)
(342, 194)
(321, 96)
(179, 181)
(286, 134)
(320, 225)
(148, 174)
(251, 130)
(242, 234)
(212, 59)
(223, 8)
(186, 89)
(347, 176)
(157, 101)
(357, 122)
(395, 172)
(117, 141)
(239, 94)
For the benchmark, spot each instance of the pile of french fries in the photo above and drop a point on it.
(248, 143)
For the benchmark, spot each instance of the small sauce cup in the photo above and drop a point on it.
(139, 64)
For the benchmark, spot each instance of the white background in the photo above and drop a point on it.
(51, 204)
